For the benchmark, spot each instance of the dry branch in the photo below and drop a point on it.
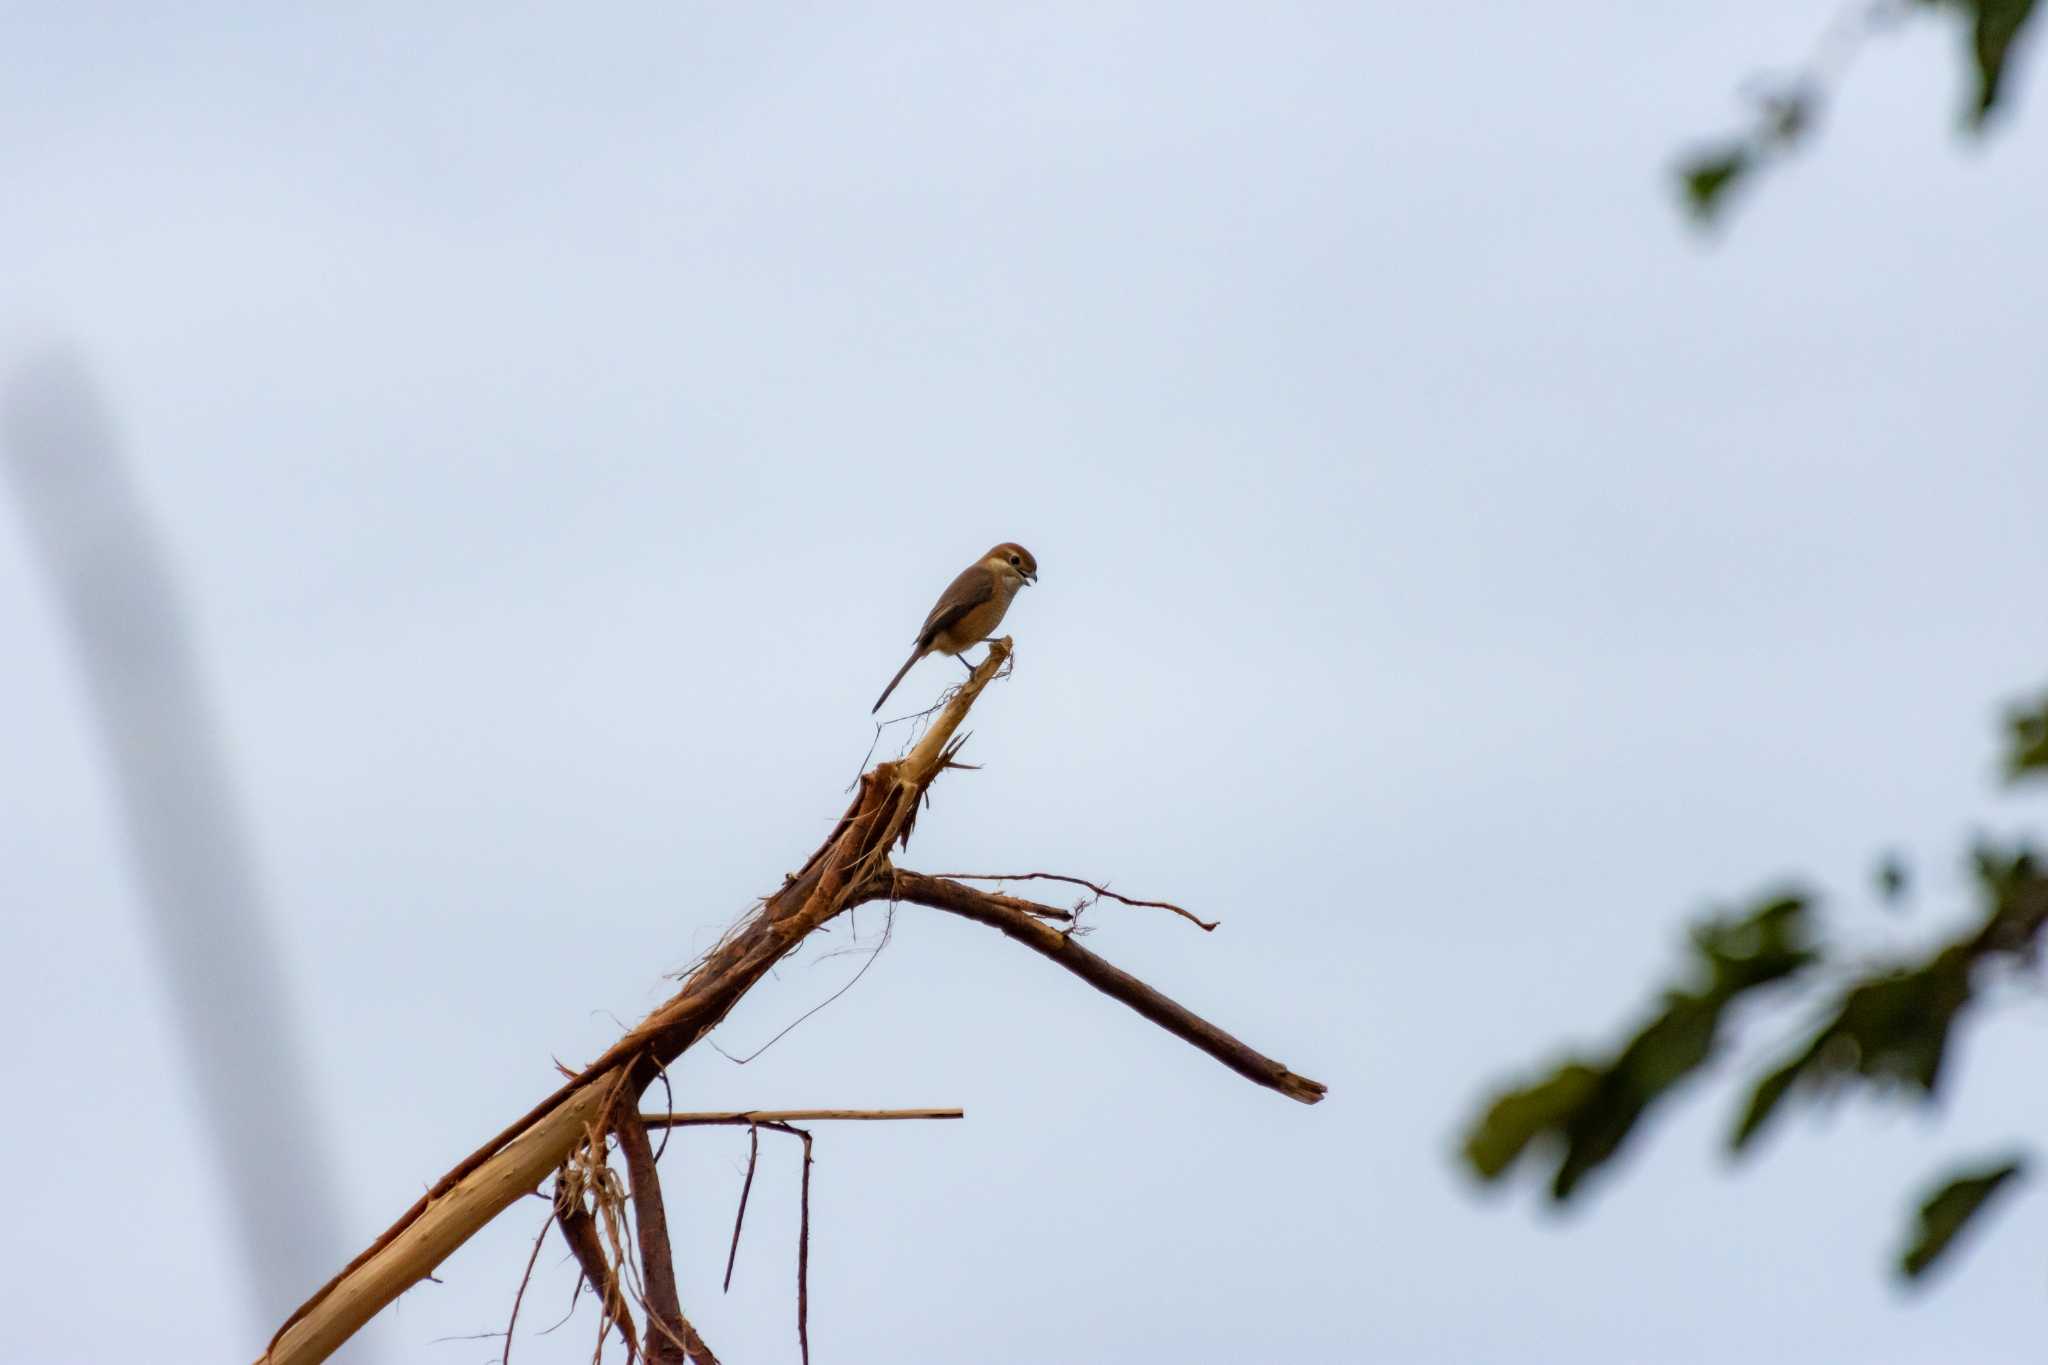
(1001, 913)
(671, 1340)
(841, 873)
(850, 868)
(579, 1230)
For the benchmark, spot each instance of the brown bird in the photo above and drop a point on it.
(971, 608)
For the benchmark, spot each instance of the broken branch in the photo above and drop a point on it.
(1112, 981)
(740, 1217)
(579, 1230)
(670, 1338)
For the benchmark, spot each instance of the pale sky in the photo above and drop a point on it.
(1456, 574)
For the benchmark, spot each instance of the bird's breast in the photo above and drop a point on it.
(978, 623)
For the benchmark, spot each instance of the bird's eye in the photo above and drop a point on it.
(1015, 560)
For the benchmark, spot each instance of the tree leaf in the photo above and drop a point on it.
(1891, 1028)
(1945, 1213)
(1707, 177)
(1764, 1100)
(2027, 740)
(1995, 26)
(1585, 1111)
(1517, 1118)
(1998, 24)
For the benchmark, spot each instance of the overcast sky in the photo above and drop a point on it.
(1456, 574)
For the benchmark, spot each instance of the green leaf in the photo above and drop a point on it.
(1707, 177)
(1764, 1100)
(1768, 943)
(1517, 1118)
(1668, 1049)
(1585, 1111)
(1995, 26)
(1945, 1212)
(2027, 740)
(1890, 1028)
(1998, 24)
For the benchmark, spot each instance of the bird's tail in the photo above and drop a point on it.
(915, 654)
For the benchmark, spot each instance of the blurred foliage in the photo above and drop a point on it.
(1892, 878)
(2026, 740)
(1892, 1026)
(1708, 176)
(1582, 1112)
(1887, 1026)
(1944, 1213)
(1994, 26)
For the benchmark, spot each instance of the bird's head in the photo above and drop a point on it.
(1011, 560)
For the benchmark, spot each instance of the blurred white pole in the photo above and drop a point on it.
(211, 936)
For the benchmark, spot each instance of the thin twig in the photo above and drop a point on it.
(669, 1091)
(575, 1297)
(506, 1357)
(753, 1159)
(742, 1061)
(774, 1116)
(1100, 891)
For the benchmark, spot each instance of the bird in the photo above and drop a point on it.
(970, 608)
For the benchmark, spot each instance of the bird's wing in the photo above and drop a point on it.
(974, 586)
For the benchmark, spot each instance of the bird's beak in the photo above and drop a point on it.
(1030, 578)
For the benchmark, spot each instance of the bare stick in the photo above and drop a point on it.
(756, 1116)
(803, 1258)
(670, 1338)
(753, 1160)
(1208, 925)
(1111, 981)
